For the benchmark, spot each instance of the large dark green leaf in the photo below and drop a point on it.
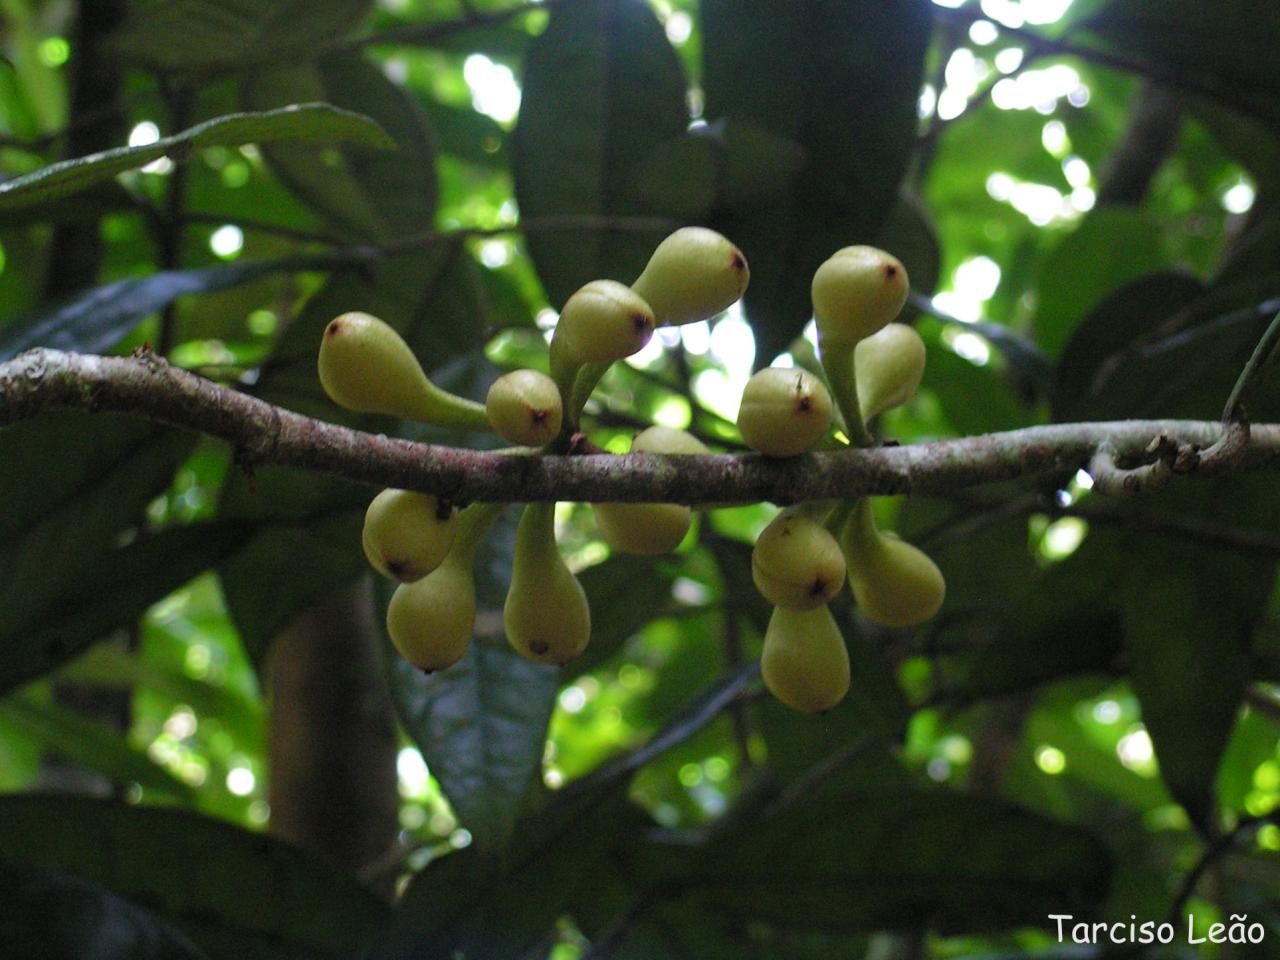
(481, 724)
(1189, 613)
(298, 121)
(72, 486)
(1110, 248)
(1095, 352)
(239, 895)
(840, 81)
(602, 90)
(90, 744)
(55, 916)
(93, 594)
(214, 36)
(373, 194)
(97, 319)
(873, 858)
(1224, 48)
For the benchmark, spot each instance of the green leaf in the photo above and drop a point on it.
(625, 593)
(1225, 47)
(298, 121)
(236, 894)
(1086, 386)
(372, 194)
(93, 745)
(217, 36)
(95, 593)
(603, 89)
(481, 724)
(1189, 612)
(870, 859)
(794, 71)
(97, 319)
(1108, 249)
(54, 915)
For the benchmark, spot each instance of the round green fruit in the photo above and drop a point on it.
(646, 529)
(407, 535)
(796, 563)
(430, 622)
(693, 275)
(856, 292)
(804, 662)
(888, 368)
(785, 411)
(524, 407)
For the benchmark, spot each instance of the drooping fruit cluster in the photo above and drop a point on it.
(801, 560)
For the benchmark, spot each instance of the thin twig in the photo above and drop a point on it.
(1216, 850)
(1234, 410)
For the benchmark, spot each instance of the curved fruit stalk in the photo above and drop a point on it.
(366, 366)
(406, 534)
(804, 662)
(856, 291)
(784, 411)
(796, 563)
(546, 616)
(693, 275)
(649, 529)
(888, 366)
(893, 582)
(524, 407)
(602, 322)
(430, 622)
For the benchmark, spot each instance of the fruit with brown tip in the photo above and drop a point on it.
(804, 661)
(546, 616)
(430, 622)
(524, 407)
(406, 534)
(694, 274)
(784, 411)
(366, 366)
(856, 291)
(796, 563)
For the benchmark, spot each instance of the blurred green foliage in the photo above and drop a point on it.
(1094, 712)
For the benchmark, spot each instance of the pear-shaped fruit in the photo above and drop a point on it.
(796, 563)
(856, 291)
(888, 367)
(546, 616)
(367, 367)
(602, 322)
(784, 411)
(693, 274)
(406, 534)
(804, 662)
(431, 621)
(893, 582)
(524, 407)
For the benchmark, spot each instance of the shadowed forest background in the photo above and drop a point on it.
(208, 747)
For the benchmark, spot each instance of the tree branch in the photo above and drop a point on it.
(260, 433)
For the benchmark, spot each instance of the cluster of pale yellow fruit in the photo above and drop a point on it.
(800, 561)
